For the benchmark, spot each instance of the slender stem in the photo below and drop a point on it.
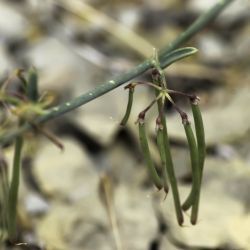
(158, 98)
(13, 192)
(164, 57)
(4, 190)
(175, 92)
(150, 84)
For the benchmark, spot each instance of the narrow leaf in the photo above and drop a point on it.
(176, 55)
(32, 88)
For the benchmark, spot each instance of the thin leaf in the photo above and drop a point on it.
(176, 55)
(32, 85)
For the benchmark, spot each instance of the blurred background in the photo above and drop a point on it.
(96, 194)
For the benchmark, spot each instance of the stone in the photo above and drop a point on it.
(67, 174)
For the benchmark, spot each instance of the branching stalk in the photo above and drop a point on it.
(166, 56)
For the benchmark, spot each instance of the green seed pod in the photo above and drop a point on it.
(32, 88)
(172, 178)
(194, 163)
(160, 144)
(200, 136)
(146, 153)
(170, 171)
(129, 106)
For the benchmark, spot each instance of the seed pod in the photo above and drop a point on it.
(172, 178)
(146, 153)
(129, 106)
(200, 133)
(194, 163)
(170, 171)
(160, 144)
(200, 136)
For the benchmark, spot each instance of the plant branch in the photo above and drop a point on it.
(166, 56)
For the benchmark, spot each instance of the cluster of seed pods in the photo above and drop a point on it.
(196, 143)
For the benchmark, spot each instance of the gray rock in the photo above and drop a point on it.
(5, 62)
(213, 49)
(35, 204)
(67, 175)
(12, 22)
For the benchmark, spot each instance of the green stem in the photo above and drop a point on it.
(3, 197)
(13, 192)
(164, 57)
